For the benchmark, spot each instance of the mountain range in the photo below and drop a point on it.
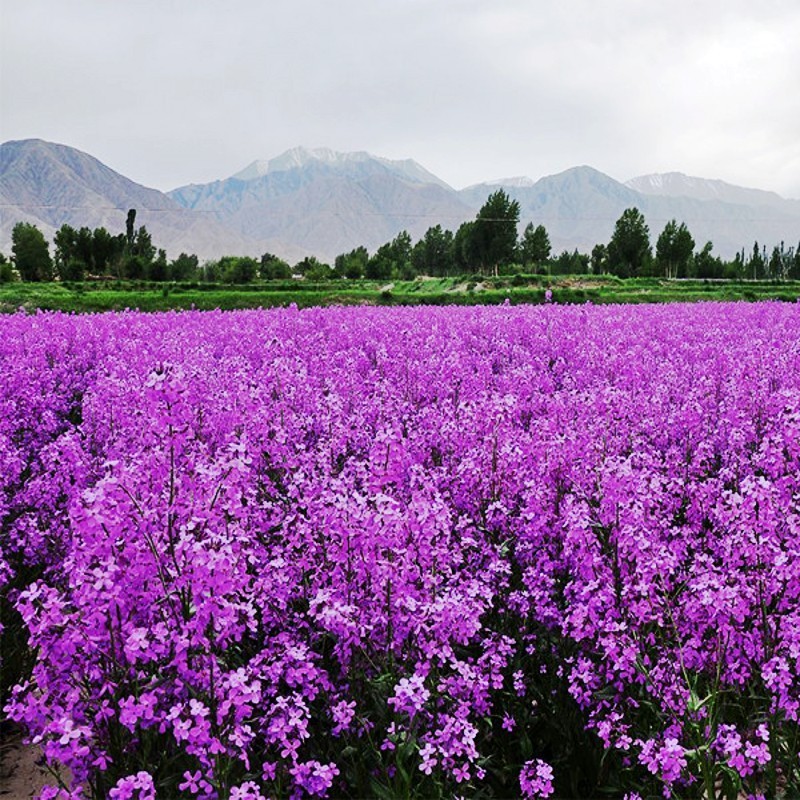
(321, 202)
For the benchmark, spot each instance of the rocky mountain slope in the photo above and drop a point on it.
(50, 184)
(580, 206)
(328, 202)
(676, 184)
(320, 202)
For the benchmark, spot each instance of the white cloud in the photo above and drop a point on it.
(175, 91)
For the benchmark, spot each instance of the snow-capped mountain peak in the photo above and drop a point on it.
(676, 184)
(518, 181)
(301, 157)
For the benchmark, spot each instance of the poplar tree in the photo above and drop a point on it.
(629, 252)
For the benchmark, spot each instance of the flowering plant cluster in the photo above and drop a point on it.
(411, 552)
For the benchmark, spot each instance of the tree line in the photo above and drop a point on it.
(488, 244)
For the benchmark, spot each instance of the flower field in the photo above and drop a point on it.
(431, 552)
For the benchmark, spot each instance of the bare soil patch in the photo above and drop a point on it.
(21, 776)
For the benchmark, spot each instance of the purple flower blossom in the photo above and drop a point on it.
(508, 723)
(536, 779)
(410, 695)
(261, 539)
(134, 787)
(313, 777)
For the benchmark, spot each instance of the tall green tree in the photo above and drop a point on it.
(183, 268)
(30, 252)
(74, 253)
(599, 259)
(158, 269)
(84, 247)
(140, 254)
(97, 252)
(143, 245)
(674, 249)
(464, 258)
(6, 270)
(401, 254)
(629, 252)
(392, 259)
(381, 264)
(535, 245)
(494, 235)
(271, 267)
(573, 263)
(794, 267)
(352, 265)
(65, 247)
(756, 265)
(107, 251)
(130, 231)
(707, 265)
(313, 269)
(238, 269)
(433, 253)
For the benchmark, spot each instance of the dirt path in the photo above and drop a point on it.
(20, 776)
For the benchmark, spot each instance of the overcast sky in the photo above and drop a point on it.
(170, 92)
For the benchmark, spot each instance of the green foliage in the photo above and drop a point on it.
(30, 253)
(674, 250)
(494, 235)
(74, 271)
(629, 253)
(783, 264)
(707, 265)
(158, 270)
(463, 250)
(534, 245)
(313, 269)
(271, 267)
(210, 272)
(794, 270)
(6, 270)
(380, 265)
(518, 288)
(599, 259)
(486, 244)
(143, 245)
(65, 244)
(237, 269)
(392, 259)
(567, 263)
(756, 266)
(138, 253)
(183, 268)
(107, 251)
(84, 252)
(433, 254)
(352, 265)
(130, 222)
(134, 267)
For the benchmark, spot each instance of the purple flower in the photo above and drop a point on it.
(536, 779)
(265, 539)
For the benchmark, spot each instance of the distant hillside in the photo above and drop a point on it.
(732, 217)
(676, 184)
(300, 157)
(580, 206)
(328, 203)
(51, 184)
(322, 202)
